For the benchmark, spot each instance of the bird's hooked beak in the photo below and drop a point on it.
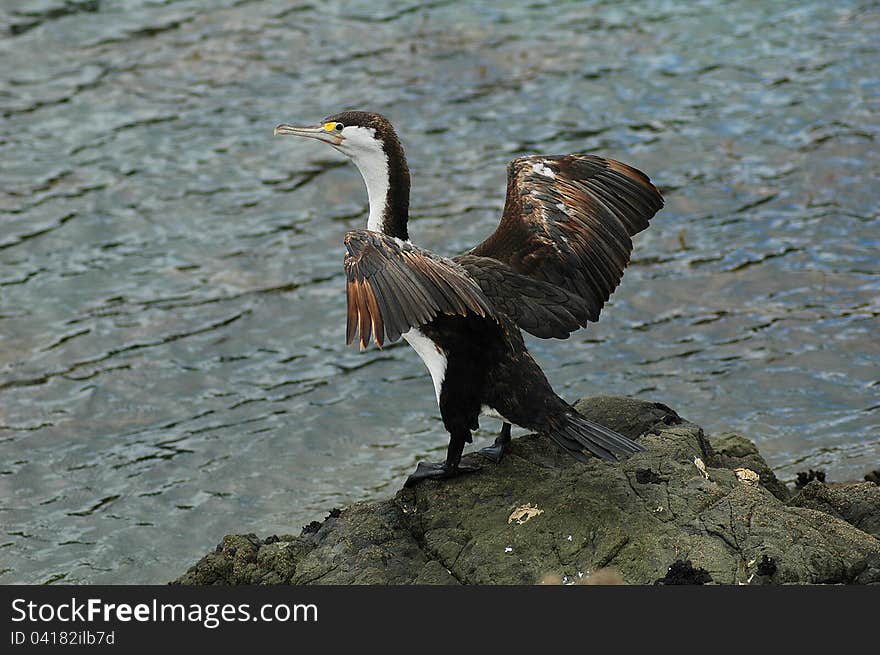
(319, 132)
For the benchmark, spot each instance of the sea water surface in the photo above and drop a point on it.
(172, 307)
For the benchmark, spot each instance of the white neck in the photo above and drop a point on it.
(376, 179)
(367, 154)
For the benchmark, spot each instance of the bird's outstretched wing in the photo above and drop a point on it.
(568, 220)
(393, 286)
(540, 308)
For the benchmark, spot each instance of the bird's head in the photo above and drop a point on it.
(367, 138)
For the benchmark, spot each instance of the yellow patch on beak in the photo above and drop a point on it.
(329, 126)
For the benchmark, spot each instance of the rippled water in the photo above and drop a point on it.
(172, 364)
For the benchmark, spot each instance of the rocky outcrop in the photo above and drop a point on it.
(690, 509)
(857, 503)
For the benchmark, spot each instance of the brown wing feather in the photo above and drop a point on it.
(568, 220)
(392, 286)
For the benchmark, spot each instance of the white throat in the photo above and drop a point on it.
(365, 150)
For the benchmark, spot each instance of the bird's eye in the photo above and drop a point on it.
(338, 127)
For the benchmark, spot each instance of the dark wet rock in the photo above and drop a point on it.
(767, 566)
(310, 528)
(682, 572)
(857, 503)
(806, 477)
(873, 476)
(688, 509)
(314, 526)
(647, 476)
(764, 571)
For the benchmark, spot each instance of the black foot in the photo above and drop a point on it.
(438, 471)
(496, 451)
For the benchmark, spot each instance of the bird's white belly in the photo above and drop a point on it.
(433, 357)
(435, 360)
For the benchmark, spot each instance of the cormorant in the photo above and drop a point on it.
(557, 255)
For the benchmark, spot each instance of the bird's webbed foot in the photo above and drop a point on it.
(496, 451)
(438, 471)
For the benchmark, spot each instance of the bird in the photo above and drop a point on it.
(559, 251)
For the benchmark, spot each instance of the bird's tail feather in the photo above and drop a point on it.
(575, 433)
